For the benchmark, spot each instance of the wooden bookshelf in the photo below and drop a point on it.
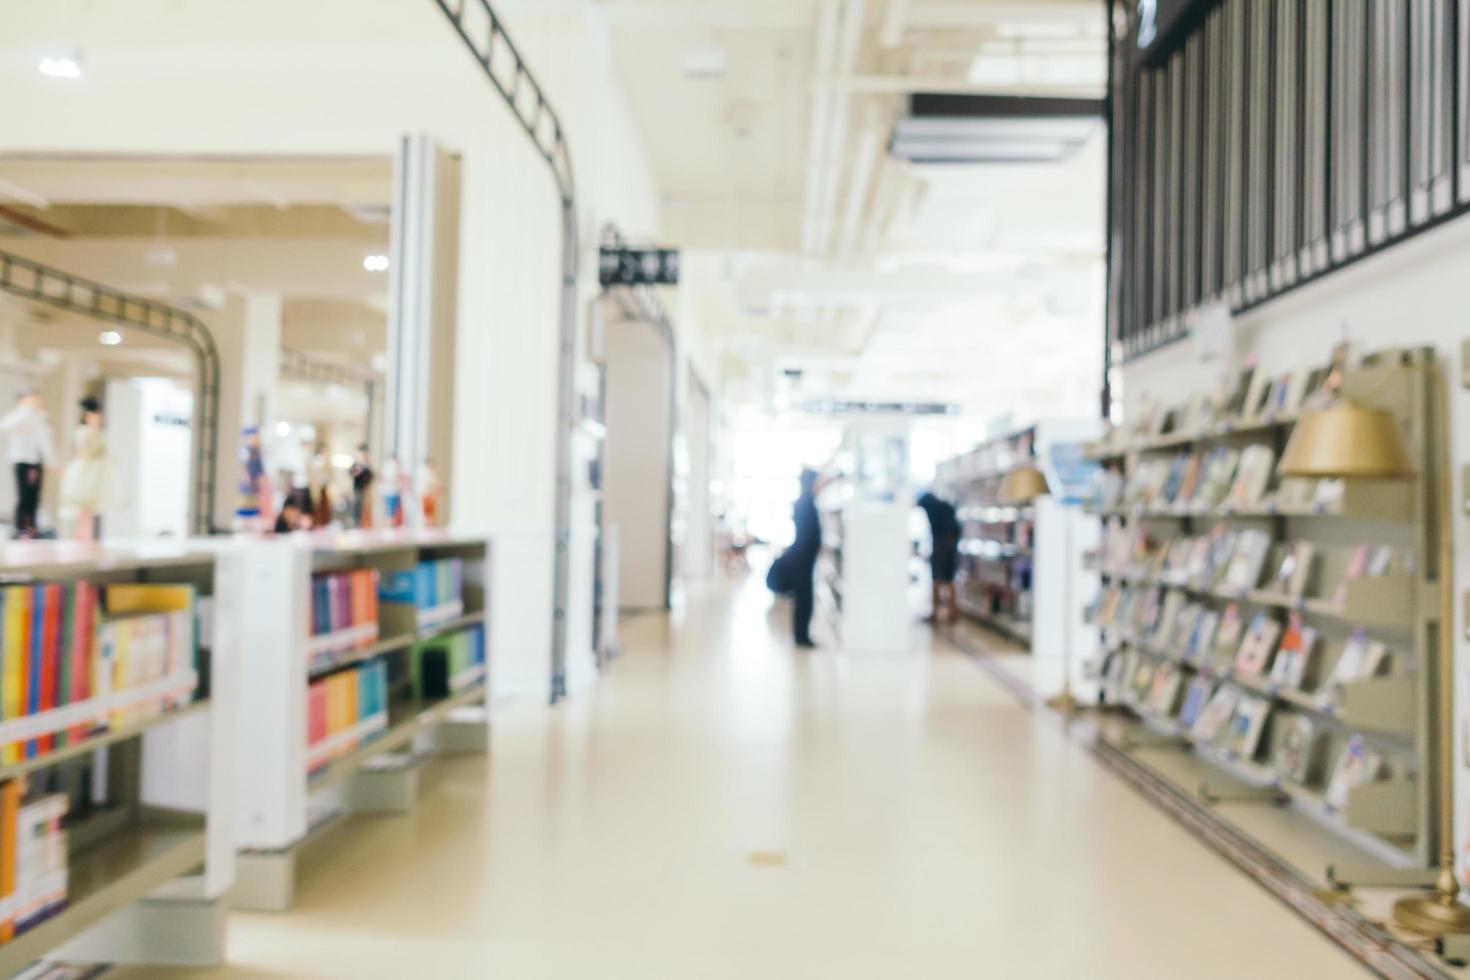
(1388, 822)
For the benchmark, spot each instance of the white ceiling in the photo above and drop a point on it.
(980, 285)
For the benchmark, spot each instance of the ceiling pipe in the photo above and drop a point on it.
(895, 20)
(859, 185)
(818, 124)
(849, 50)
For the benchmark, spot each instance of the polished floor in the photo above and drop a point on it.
(718, 807)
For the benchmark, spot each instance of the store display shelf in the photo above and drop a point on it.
(324, 646)
(1012, 626)
(995, 514)
(1378, 601)
(991, 550)
(1390, 507)
(321, 753)
(25, 561)
(94, 709)
(122, 867)
(97, 741)
(405, 719)
(321, 665)
(1291, 831)
(1174, 440)
(435, 618)
(1348, 712)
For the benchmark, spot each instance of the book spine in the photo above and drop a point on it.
(63, 653)
(33, 666)
(84, 643)
(50, 657)
(17, 615)
(9, 820)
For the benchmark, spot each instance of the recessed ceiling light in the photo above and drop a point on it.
(376, 262)
(109, 338)
(61, 64)
(283, 429)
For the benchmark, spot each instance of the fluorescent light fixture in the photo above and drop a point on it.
(283, 429)
(109, 338)
(705, 61)
(377, 262)
(992, 129)
(61, 64)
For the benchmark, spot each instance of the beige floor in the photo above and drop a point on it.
(720, 808)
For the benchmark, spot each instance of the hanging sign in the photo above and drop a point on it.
(624, 266)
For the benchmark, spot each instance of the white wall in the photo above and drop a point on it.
(350, 77)
(639, 431)
(1411, 295)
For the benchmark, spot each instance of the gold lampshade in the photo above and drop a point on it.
(1346, 441)
(1023, 484)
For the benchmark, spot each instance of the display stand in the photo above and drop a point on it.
(290, 790)
(1381, 831)
(150, 859)
(1001, 584)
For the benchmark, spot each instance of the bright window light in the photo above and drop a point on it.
(109, 338)
(61, 66)
(375, 263)
(343, 461)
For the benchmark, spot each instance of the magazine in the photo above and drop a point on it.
(1296, 750)
(1258, 645)
(1357, 765)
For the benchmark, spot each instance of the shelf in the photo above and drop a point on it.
(105, 877)
(1376, 601)
(28, 561)
(1173, 440)
(394, 643)
(1398, 742)
(327, 645)
(93, 710)
(100, 740)
(405, 719)
(320, 754)
(1012, 626)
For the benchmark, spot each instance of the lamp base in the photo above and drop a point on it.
(1437, 913)
(1064, 703)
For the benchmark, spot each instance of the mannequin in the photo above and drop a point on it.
(30, 450)
(85, 478)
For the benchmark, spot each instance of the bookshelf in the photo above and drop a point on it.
(1018, 564)
(377, 659)
(1343, 591)
(138, 753)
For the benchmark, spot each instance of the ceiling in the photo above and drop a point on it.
(832, 269)
(187, 230)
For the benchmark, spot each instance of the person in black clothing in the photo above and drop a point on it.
(802, 558)
(362, 488)
(944, 528)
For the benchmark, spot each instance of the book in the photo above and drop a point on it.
(1235, 404)
(1357, 765)
(1216, 714)
(1361, 658)
(1228, 634)
(1248, 559)
(1246, 725)
(1252, 475)
(1163, 693)
(1222, 550)
(1295, 568)
(1294, 655)
(1296, 750)
(1143, 677)
(1216, 477)
(1258, 645)
(1202, 638)
(1195, 699)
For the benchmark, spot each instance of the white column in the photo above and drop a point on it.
(418, 415)
(247, 333)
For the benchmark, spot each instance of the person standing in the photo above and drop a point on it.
(362, 488)
(30, 450)
(802, 560)
(85, 477)
(944, 553)
(318, 485)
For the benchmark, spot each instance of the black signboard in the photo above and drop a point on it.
(619, 265)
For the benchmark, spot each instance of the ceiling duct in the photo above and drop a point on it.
(954, 128)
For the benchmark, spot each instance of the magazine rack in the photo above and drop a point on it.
(1385, 832)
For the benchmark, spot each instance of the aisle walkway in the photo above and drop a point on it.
(719, 808)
